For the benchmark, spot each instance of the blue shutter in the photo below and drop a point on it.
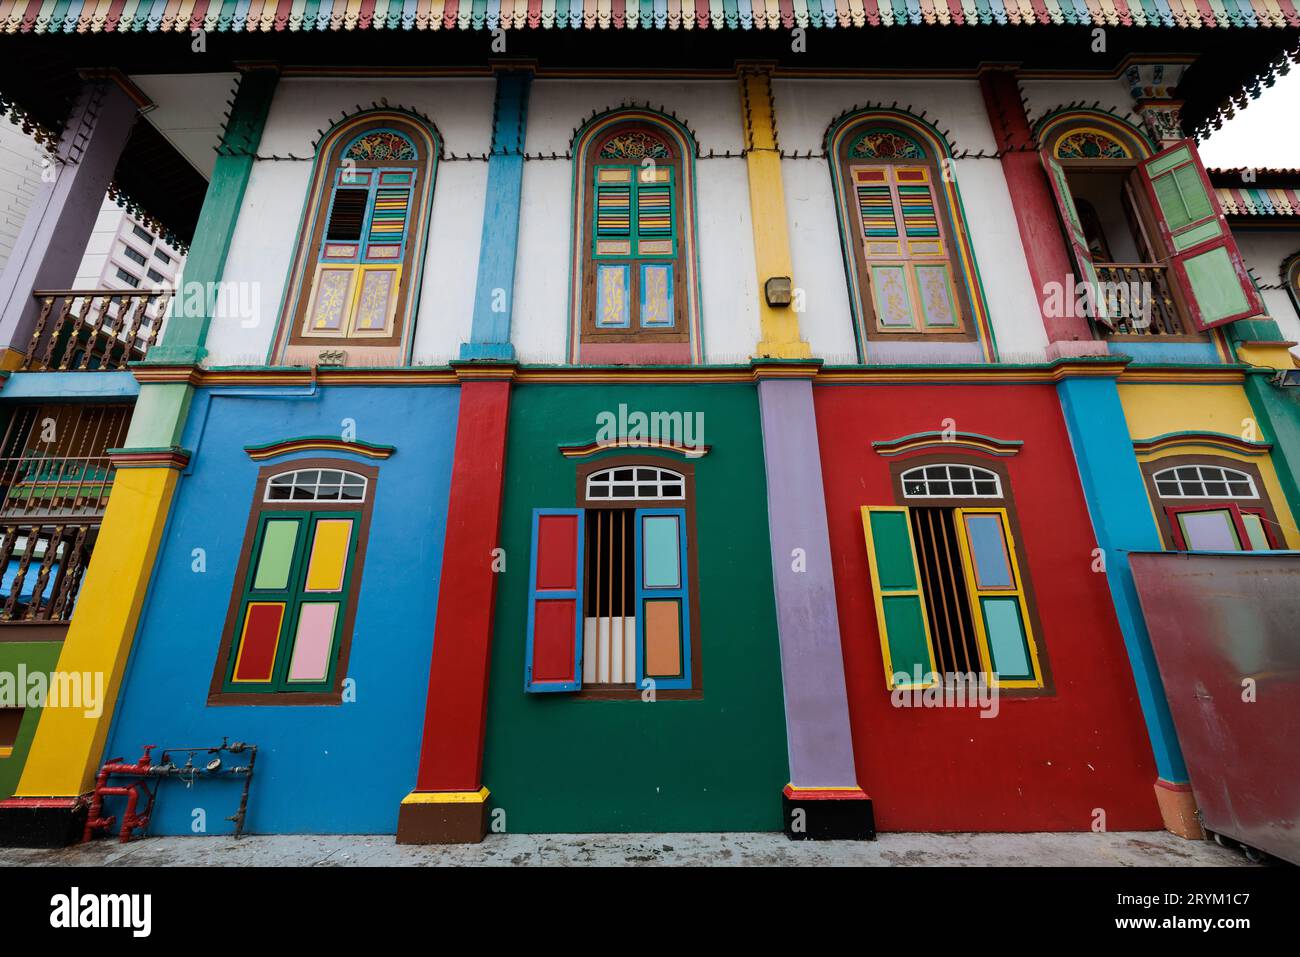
(663, 607)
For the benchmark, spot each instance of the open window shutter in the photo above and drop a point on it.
(663, 614)
(553, 659)
(1203, 257)
(900, 600)
(1073, 228)
(997, 597)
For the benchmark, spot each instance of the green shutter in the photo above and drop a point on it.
(1078, 242)
(1203, 257)
(899, 597)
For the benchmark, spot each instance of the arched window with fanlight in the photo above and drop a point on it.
(635, 286)
(1151, 247)
(289, 628)
(355, 284)
(952, 591)
(1212, 503)
(911, 269)
(612, 584)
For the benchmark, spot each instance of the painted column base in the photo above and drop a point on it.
(827, 814)
(41, 822)
(1178, 809)
(443, 817)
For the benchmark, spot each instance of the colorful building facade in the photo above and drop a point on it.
(539, 444)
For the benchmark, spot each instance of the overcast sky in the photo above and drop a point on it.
(1266, 133)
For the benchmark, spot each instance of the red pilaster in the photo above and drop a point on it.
(449, 801)
(1035, 207)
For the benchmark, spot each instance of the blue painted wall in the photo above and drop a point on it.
(324, 769)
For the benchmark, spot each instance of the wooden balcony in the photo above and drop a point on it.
(79, 330)
(1150, 311)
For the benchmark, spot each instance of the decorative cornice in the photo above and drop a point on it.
(318, 443)
(595, 447)
(172, 457)
(965, 441)
(1215, 440)
(1111, 366)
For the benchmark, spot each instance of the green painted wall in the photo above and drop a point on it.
(40, 656)
(556, 763)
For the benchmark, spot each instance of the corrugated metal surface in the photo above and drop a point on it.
(93, 16)
(1226, 632)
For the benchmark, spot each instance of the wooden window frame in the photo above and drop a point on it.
(683, 238)
(1145, 220)
(949, 234)
(1005, 503)
(626, 692)
(217, 693)
(312, 237)
(1171, 536)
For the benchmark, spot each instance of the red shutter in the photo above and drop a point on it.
(553, 660)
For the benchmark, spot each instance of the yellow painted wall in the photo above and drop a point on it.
(66, 750)
(1153, 410)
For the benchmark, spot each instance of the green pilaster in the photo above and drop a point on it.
(187, 328)
(1278, 411)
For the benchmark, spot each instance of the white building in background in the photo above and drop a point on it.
(21, 161)
(123, 253)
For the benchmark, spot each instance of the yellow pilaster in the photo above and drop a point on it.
(780, 324)
(69, 741)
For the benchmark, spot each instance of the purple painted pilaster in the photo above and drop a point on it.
(53, 239)
(818, 734)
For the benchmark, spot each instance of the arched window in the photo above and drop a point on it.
(289, 629)
(1151, 248)
(951, 584)
(1211, 504)
(355, 285)
(909, 260)
(634, 294)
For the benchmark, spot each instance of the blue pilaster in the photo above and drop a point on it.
(494, 294)
(1123, 523)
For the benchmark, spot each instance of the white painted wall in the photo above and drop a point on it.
(1264, 252)
(1048, 96)
(262, 247)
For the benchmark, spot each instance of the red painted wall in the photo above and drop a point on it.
(1043, 763)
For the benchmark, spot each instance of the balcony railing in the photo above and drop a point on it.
(34, 485)
(1147, 306)
(87, 330)
(42, 565)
